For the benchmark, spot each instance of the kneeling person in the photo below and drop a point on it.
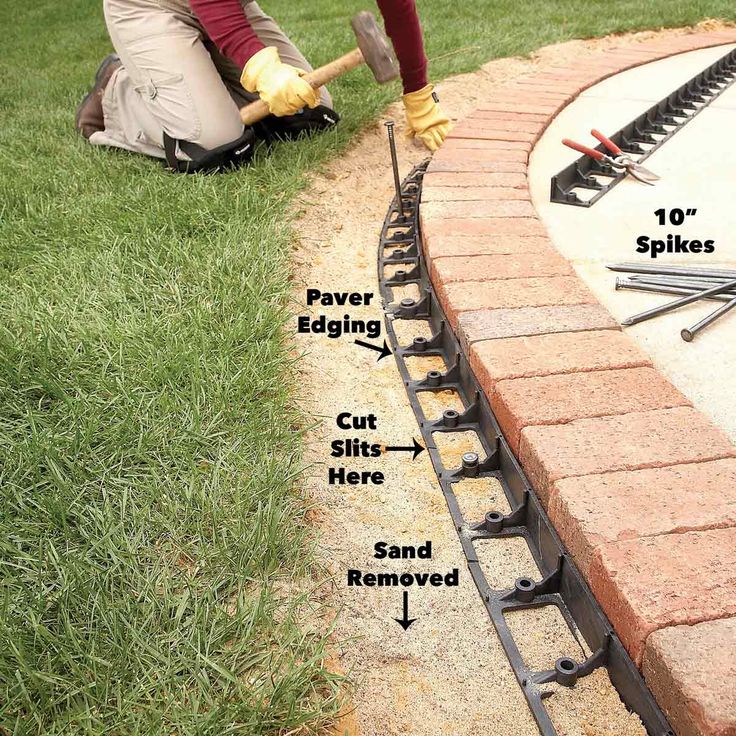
(184, 68)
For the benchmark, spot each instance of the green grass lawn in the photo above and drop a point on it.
(151, 523)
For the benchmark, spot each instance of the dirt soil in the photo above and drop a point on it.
(448, 673)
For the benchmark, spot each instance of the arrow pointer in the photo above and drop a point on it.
(416, 448)
(385, 350)
(405, 622)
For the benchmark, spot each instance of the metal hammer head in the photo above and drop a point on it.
(374, 45)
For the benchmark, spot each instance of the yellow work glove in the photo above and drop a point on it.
(281, 86)
(425, 119)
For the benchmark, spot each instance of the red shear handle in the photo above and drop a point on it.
(607, 142)
(597, 155)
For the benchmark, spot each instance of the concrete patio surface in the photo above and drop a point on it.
(697, 168)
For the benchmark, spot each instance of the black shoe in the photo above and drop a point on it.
(290, 127)
(89, 117)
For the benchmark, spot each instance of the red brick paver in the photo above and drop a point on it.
(474, 194)
(482, 209)
(494, 267)
(472, 164)
(484, 245)
(593, 510)
(528, 105)
(465, 296)
(549, 354)
(648, 583)
(692, 672)
(471, 180)
(648, 439)
(496, 131)
(486, 144)
(491, 324)
(466, 157)
(540, 119)
(526, 402)
(497, 227)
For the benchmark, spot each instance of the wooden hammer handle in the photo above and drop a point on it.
(318, 78)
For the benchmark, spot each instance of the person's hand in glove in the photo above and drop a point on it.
(281, 86)
(424, 117)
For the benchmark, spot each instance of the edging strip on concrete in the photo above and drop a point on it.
(644, 496)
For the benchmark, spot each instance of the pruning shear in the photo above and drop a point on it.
(619, 160)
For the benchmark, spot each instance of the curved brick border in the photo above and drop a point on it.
(640, 485)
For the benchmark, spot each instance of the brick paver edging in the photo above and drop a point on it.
(639, 484)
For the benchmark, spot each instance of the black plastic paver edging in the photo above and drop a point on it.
(653, 127)
(561, 583)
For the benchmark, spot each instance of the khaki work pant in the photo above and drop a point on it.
(174, 79)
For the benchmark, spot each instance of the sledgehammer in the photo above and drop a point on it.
(373, 50)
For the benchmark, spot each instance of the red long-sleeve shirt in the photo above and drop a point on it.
(226, 24)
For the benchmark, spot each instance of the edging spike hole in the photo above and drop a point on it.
(434, 378)
(494, 522)
(567, 671)
(451, 419)
(419, 344)
(524, 588)
(399, 233)
(389, 249)
(470, 463)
